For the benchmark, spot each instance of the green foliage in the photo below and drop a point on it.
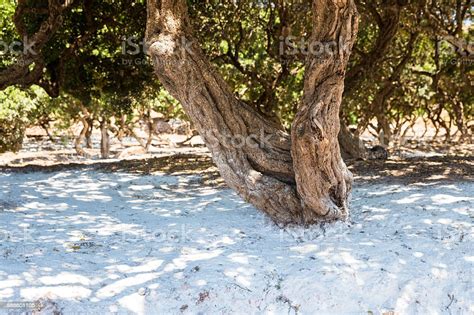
(88, 62)
(7, 30)
(15, 107)
(250, 39)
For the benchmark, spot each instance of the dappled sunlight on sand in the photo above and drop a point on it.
(105, 242)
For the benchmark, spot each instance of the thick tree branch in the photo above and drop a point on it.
(388, 23)
(253, 155)
(28, 68)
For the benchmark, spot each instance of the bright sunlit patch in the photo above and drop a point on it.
(167, 249)
(305, 249)
(388, 190)
(140, 187)
(93, 197)
(123, 284)
(469, 258)
(11, 283)
(55, 292)
(201, 282)
(377, 217)
(149, 266)
(447, 199)
(65, 278)
(410, 199)
(439, 273)
(135, 303)
(445, 221)
(6, 293)
(350, 260)
(239, 258)
(242, 276)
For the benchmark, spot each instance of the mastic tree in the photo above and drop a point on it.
(260, 48)
(293, 178)
(261, 80)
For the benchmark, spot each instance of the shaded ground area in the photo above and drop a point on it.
(177, 164)
(414, 170)
(394, 170)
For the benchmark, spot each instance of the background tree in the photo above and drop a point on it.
(86, 61)
(260, 51)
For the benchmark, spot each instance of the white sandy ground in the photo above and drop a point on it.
(104, 243)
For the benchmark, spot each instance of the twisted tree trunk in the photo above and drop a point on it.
(298, 179)
(80, 138)
(322, 178)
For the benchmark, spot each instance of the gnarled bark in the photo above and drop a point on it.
(253, 154)
(323, 181)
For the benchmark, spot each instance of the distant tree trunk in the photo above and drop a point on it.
(80, 137)
(104, 140)
(350, 144)
(150, 127)
(89, 131)
(121, 128)
(298, 179)
(87, 125)
(137, 137)
(45, 126)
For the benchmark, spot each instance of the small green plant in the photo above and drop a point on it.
(14, 105)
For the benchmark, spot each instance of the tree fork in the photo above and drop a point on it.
(261, 166)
